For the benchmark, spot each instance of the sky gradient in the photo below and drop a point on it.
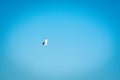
(83, 40)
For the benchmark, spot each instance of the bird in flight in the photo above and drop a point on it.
(45, 42)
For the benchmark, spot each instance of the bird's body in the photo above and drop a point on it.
(45, 42)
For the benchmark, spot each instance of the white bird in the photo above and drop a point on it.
(45, 42)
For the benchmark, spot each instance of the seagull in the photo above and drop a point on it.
(45, 42)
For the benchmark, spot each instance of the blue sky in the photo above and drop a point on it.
(83, 40)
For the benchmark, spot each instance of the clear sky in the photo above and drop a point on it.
(83, 40)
